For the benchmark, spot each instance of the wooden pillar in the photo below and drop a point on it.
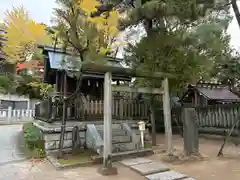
(153, 122)
(120, 104)
(107, 168)
(55, 108)
(167, 116)
(57, 81)
(121, 107)
(64, 82)
(195, 98)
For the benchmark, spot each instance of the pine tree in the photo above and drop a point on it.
(184, 38)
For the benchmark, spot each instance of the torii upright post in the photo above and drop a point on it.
(167, 116)
(107, 168)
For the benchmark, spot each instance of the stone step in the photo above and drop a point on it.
(167, 175)
(150, 168)
(121, 139)
(118, 137)
(114, 126)
(119, 156)
(114, 132)
(122, 147)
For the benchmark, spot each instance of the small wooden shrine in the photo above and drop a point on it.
(117, 130)
(203, 94)
(88, 102)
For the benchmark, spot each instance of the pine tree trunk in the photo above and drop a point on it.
(153, 123)
(236, 11)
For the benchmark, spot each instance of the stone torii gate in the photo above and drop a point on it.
(108, 70)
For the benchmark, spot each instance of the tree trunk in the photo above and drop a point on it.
(236, 11)
(227, 137)
(148, 25)
(153, 123)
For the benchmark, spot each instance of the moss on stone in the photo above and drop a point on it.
(81, 157)
(148, 145)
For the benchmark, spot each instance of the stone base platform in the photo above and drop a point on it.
(51, 134)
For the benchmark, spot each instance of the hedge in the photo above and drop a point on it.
(34, 140)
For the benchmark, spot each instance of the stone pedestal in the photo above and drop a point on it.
(190, 131)
(107, 171)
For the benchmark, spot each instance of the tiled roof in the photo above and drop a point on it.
(217, 93)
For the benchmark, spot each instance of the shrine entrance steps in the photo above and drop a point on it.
(125, 137)
(153, 170)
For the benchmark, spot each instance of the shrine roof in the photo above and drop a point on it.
(61, 60)
(217, 92)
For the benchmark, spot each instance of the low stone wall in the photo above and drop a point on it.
(52, 140)
(89, 135)
(51, 135)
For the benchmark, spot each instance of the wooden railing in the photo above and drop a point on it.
(80, 109)
(215, 119)
(52, 109)
(221, 116)
(121, 109)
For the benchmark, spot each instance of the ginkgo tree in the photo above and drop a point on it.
(89, 37)
(86, 37)
(106, 22)
(22, 35)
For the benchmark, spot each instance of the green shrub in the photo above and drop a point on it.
(34, 140)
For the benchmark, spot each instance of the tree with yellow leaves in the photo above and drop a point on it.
(106, 22)
(88, 37)
(22, 35)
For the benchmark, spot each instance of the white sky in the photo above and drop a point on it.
(41, 11)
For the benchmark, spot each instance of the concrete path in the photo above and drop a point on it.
(43, 170)
(154, 170)
(11, 144)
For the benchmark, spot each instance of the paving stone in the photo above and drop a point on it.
(132, 162)
(150, 168)
(12, 144)
(168, 175)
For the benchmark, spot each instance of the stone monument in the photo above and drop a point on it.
(190, 132)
